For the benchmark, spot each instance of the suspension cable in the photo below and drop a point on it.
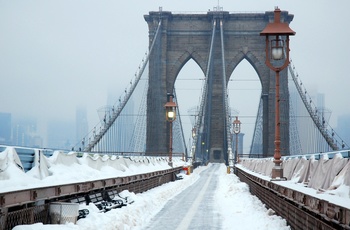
(224, 92)
(181, 128)
(203, 103)
(99, 136)
(313, 115)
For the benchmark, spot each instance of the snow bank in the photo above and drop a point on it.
(323, 175)
(134, 216)
(64, 168)
(248, 211)
(239, 209)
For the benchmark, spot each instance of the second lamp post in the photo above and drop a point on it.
(236, 129)
(170, 115)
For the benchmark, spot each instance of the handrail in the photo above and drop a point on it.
(25, 196)
(307, 210)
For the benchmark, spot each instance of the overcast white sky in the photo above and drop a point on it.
(58, 54)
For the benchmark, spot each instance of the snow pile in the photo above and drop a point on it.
(240, 210)
(236, 204)
(134, 216)
(64, 168)
(12, 176)
(322, 175)
(338, 196)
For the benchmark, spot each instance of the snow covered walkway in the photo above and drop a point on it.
(193, 208)
(207, 199)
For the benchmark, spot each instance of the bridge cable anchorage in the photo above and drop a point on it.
(200, 121)
(97, 138)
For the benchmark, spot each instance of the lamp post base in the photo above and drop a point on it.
(230, 169)
(277, 173)
(170, 164)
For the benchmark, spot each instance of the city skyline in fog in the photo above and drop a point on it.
(56, 56)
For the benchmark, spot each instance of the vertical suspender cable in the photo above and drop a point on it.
(227, 135)
(203, 103)
(103, 131)
(315, 120)
(181, 130)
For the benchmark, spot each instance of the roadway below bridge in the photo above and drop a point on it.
(194, 207)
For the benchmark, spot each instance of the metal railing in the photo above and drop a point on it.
(300, 210)
(20, 207)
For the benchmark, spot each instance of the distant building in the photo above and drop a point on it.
(343, 128)
(320, 100)
(60, 135)
(25, 134)
(124, 130)
(123, 126)
(81, 126)
(5, 129)
(240, 143)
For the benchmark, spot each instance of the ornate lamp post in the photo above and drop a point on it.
(277, 49)
(170, 115)
(193, 149)
(236, 129)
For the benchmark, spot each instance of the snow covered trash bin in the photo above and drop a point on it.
(61, 213)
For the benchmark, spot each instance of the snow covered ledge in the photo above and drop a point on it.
(65, 168)
(317, 175)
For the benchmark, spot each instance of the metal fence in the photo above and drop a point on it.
(30, 215)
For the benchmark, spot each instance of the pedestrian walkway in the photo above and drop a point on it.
(193, 208)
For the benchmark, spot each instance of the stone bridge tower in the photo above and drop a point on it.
(188, 36)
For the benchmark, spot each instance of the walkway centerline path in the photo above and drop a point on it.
(192, 208)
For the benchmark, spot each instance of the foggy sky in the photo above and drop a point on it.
(59, 54)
